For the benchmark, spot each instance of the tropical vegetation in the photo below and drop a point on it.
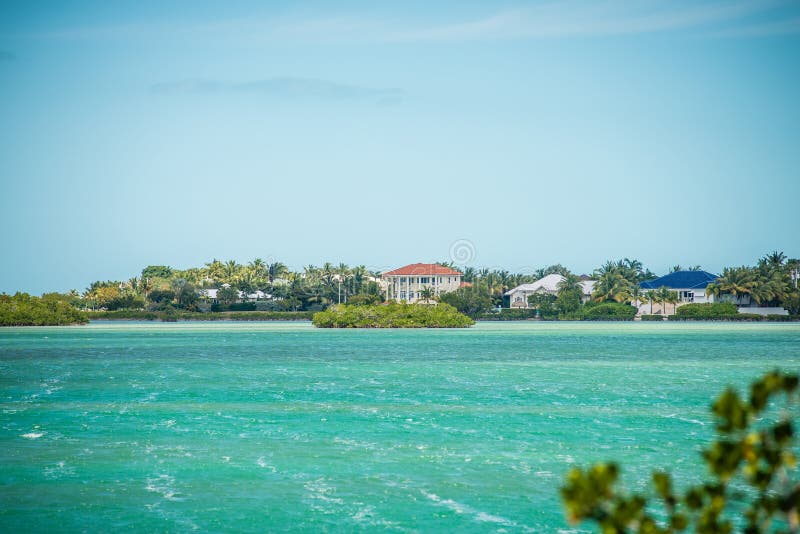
(769, 283)
(270, 286)
(391, 315)
(752, 482)
(22, 309)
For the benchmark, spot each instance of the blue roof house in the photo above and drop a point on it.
(690, 286)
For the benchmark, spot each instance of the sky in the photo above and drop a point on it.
(495, 134)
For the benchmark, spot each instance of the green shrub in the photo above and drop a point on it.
(720, 311)
(169, 315)
(392, 315)
(609, 311)
(652, 317)
(472, 301)
(23, 309)
(242, 306)
(715, 310)
(360, 300)
(780, 318)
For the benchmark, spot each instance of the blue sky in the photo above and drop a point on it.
(384, 134)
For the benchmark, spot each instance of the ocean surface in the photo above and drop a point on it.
(263, 427)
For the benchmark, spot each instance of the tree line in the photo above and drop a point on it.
(313, 288)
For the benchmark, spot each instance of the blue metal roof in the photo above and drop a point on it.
(681, 280)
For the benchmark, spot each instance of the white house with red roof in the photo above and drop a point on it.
(407, 282)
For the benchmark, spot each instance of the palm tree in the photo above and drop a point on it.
(673, 298)
(278, 270)
(637, 295)
(246, 281)
(328, 272)
(773, 260)
(134, 284)
(427, 294)
(193, 275)
(469, 274)
(146, 286)
(258, 267)
(570, 283)
(343, 273)
(736, 281)
(631, 269)
(665, 296)
(310, 272)
(229, 271)
(607, 268)
(771, 288)
(662, 295)
(611, 285)
(359, 273)
(215, 270)
(651, 296)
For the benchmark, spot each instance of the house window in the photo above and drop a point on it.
(402, 295)
(423, 280)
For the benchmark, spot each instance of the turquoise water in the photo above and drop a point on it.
(271, 427)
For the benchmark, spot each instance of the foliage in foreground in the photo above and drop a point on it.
(749, 450)
(21, 309)
(392, 315)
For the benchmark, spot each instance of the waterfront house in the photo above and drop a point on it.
(210, 295)
(689, 285)
(407, 282)
(518, 296)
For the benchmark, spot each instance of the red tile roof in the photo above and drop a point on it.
(423, 269)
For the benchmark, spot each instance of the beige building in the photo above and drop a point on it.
(407, 282)
(518, 297)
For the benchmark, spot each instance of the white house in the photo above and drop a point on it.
(518, 297)
(407, 282)
(211, 295)
(691, 287)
